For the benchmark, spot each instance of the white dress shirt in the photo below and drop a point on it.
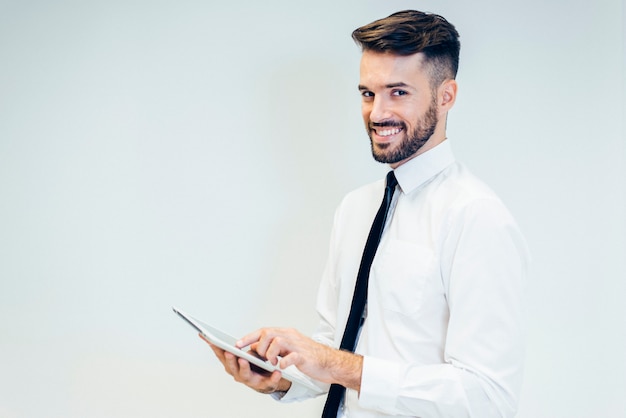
(443, 336)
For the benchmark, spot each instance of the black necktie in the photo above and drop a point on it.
(359, 299)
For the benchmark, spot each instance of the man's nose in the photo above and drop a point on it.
(380, 111)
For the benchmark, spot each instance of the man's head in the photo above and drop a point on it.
(409, 64)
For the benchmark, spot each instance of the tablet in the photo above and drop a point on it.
(227, 342)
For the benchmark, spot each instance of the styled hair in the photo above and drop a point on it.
(409, 32)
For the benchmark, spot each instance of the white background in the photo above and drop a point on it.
(191, 153)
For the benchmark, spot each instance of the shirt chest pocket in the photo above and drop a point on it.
(400, 274)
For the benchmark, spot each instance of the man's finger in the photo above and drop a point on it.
(248, 339)
(231, 364)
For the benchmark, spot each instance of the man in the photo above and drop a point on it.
(441, 333)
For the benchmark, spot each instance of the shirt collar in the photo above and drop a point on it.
(420, 169)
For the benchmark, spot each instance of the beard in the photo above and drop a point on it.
(412, 142)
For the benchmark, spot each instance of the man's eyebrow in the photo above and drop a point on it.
(398, 84)
(387, 86)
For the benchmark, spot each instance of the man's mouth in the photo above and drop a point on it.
(387, 131)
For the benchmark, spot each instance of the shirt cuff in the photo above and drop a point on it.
(380, 381)
(295, 393)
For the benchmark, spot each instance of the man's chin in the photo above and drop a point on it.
(383, 153)
(383, 157)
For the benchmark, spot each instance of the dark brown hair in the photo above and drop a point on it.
(409, 32)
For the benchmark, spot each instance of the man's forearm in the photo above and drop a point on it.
(346, 369)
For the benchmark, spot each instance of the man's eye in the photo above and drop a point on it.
(399, 93)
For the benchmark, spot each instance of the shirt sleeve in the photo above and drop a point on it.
(483, 268)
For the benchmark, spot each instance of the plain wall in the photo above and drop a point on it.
(192, 153)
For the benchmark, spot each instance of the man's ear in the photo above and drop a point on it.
(446, 95)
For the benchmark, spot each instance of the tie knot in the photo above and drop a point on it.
(391, 180)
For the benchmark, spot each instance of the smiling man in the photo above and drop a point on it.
(402, 116)
(420, 303)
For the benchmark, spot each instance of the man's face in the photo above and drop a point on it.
(398, 104)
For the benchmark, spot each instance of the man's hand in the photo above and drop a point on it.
(241, 370)
(316, 360)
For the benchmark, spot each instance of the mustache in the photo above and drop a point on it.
(386, 124)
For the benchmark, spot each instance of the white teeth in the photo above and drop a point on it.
(388, 132)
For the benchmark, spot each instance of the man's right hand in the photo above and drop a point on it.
(241, 370)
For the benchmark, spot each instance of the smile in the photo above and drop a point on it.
(387, 132)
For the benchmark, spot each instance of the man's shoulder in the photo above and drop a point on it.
(361, 201)
(458, 178)
(454, 188)
(461, 193)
